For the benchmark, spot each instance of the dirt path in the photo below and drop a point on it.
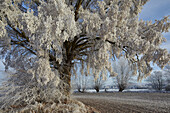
(127, 102)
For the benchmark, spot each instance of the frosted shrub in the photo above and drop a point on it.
(34, 91)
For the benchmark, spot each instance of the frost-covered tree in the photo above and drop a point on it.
(79, 79)
(124, 73)
(43, 40)
(98, 82)
(157, 80)
(82, 83)
(167, 73)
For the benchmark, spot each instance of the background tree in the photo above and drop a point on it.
(80, 82)
(99, 82)
(124, 73)
(156, 80)
(80, 79)
(167, 72)
(43, 40)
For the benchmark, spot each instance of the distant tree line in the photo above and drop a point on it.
(158, 80)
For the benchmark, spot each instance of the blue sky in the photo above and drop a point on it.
(154, 9)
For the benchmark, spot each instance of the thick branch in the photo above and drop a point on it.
(22, 45)
(78, 4)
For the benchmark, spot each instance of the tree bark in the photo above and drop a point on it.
(65, 77)
(65, 69)
(97, 89)
(121, 89)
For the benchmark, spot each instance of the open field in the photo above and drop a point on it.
(128, 102)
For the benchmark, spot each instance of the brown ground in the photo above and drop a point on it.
(126, 102)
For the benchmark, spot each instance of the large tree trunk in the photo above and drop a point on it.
(65, 68)
(65, 77)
